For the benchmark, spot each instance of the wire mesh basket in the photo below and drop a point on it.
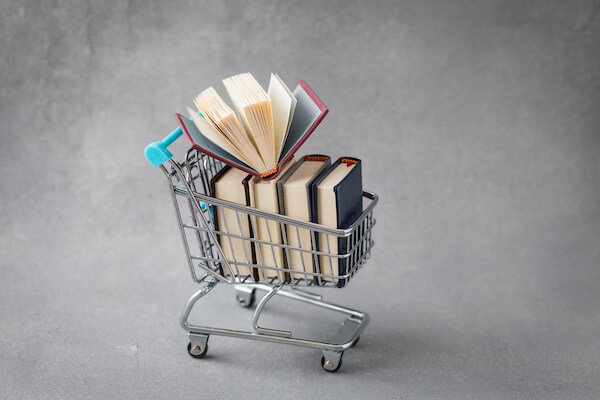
(231, 251)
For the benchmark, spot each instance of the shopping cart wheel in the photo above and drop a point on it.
(198, 346)
(331, 361)
(244, 296)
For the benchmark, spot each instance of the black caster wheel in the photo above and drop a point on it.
(355, 342)
(330, 366)
(196, 351)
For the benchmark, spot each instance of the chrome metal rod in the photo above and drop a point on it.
(304, 293)
(230, 275)
(374, 199)
(183, 319)
(319, 303)
(266, 331)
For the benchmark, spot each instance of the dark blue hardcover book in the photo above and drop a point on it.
(337, 203)
(294, 189)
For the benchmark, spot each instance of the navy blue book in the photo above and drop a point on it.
(337, 203)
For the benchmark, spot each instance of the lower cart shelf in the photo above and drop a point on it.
(333, 349)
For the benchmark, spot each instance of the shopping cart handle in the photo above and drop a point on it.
(157, 152)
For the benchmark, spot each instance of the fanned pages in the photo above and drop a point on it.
(283, 104)
(224, 120)
(212, 134)
(254, 110)
(265, 133)
(201, 143)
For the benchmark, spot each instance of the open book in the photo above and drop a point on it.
(263, 132)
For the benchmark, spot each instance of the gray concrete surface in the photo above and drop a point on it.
(478, 123)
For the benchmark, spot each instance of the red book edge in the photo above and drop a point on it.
(324, 110)
(201, 149)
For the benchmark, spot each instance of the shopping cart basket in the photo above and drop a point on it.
(212, 257)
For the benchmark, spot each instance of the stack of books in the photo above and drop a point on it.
(258, 142)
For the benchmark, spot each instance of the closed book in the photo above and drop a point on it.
(337, 203)
(264, 196)
(233, 227)
(295, 200)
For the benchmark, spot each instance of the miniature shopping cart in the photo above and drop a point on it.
(204, 246)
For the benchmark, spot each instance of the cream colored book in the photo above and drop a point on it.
(264, 196)
(231, 184)
(337, 196)
(295, 200)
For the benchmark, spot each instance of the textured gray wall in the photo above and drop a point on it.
(478, 123)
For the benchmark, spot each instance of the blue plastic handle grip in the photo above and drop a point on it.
(157, 152)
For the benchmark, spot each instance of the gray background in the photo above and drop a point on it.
(478, 124)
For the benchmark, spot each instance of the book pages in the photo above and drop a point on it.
(218, 113)
(212, 134)
(253, 108)
(283, 104)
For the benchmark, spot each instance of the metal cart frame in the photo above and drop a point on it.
(210, 265)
